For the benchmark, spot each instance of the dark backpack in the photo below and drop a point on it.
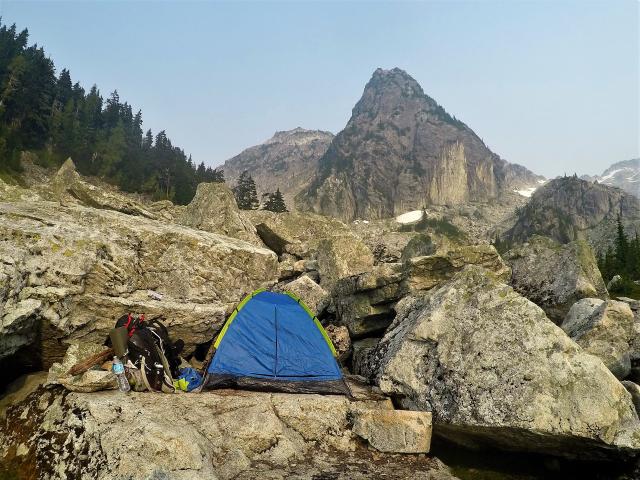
(152, 351)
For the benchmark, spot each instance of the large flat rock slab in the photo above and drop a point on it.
(220, 434)
(69, 271)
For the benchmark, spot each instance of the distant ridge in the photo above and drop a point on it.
(286, 161)
(624, 175)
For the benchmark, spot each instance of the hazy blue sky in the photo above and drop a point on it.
(552, 85)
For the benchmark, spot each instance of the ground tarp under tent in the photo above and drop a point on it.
(272, 341)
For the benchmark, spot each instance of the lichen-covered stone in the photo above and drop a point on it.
(93, 380)
(67, 186)
(429, 271)
(606, 332)
(494, 370)
(339, 336)
(214, 209)
(365, 302)
(340, 257)
(296, 233)
(395, 431)
(313, 295)
(223, 434)
(555, 276)
(69, 271)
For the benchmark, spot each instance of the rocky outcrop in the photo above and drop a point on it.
(214, 209)
(568, 209)
(634, 390)
(222, 435)
(392, 247)
(555, 276)
(431, 270)
(342, 256)
(606, 332)
(295, 233)
(314, 296)
(399, 151)
(67, 185)
(494, 371)
(394, 430)
(365, 302)
(361, 351)
(341, 340)
(580, 312)
(286, 161)
(68, 272)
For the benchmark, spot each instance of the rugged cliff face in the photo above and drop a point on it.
(569, 208)
(401, 150)
(286, 161)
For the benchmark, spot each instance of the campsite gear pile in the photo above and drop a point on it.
(152, 359)
(272, 341)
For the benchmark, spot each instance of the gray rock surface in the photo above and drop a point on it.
(365, 302)
(634, 390)
(394, 431)
(295, 233)
(607, 332)
(580, 312)
(555, 276)
(313, 295)
(214, 209)
(93, 380)
(69, 271)
(429, 271)
(221, 435)
(361, 351)
(340, 257)
(68, 187)
(340, 339)
(494, 371)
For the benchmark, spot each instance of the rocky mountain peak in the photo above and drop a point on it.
(401, 151)
(392, 88)
(298, 136)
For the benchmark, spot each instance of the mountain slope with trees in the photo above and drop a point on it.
(56, 118)
(287, 161)
(568, 208)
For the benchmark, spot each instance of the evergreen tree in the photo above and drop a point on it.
(622, 258)
(275, 202)
(245, 192)
(56, 119)
(621, 248)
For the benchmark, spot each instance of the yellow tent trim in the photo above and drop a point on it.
(316, 321)
(233, 315)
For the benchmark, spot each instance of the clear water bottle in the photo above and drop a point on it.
(118, 369)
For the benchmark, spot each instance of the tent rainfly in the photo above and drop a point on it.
(272, 341)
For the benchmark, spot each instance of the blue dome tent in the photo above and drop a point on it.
(272, 341)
